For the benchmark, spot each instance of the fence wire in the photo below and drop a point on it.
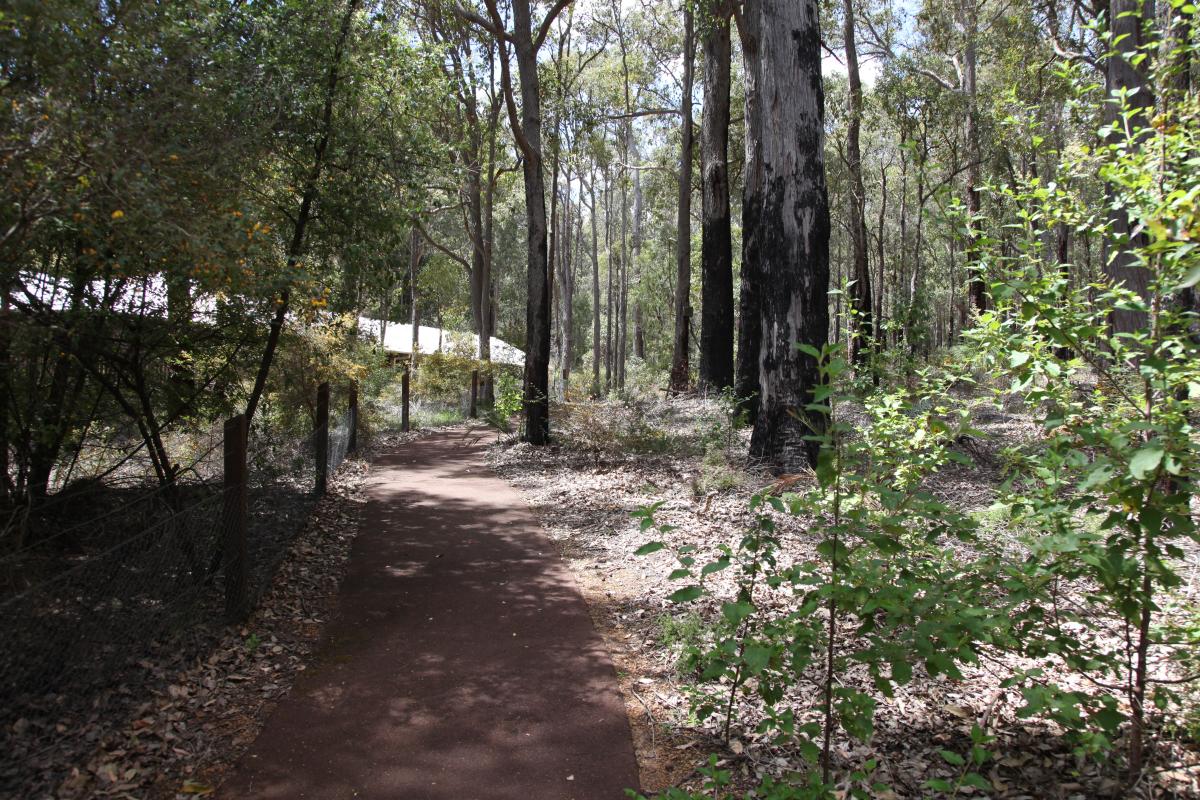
(82, 600)
(77, 624)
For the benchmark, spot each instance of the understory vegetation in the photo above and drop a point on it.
(862, 397)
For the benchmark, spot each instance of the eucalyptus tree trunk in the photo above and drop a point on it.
(567, 283)
(793, 231)
(716, 248)
(862, 322)
(976, 289)
(608, 295)
(635, 252)
(595, 295)
(537, 312)
(680, 369)
(623, 287)
(749, 325)
(1127, 23)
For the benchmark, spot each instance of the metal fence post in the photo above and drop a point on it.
(404, 401)
(474, 393)
(322, 436)
(352, 437)
(233, 542)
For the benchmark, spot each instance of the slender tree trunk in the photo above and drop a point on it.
(623, 305)
(793, 232)
(528, 128)
(309, 195)
(634, 264)
(749, 324)
(415, 256)
(680, 369)
(716, 304)
(595, 294)
(567, 283)
(608, 295)
(862, 322)
(976, 288)
(881, 248)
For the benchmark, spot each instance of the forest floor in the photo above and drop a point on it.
(611, 459)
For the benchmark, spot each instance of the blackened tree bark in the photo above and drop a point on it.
(793, 231)
(537, 313)
(716, 247)
(749, 325)
(862, 323)
(680, 369)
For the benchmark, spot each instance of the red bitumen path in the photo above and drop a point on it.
(462, 662)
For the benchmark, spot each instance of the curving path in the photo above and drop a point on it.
(462, 663)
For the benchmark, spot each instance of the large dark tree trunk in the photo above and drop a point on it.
(862, 324)
(749, 325)
(793, 231)
(716, 248)
(680, 369)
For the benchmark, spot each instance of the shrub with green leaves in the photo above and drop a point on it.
(1105, 500)
(882, 588)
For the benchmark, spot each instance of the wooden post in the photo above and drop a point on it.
(233, 542)
(474, 393)
(404, 401)
(352, 438)
(322, 434)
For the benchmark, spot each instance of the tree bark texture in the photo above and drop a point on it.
(749, 325)
(862, 323)
(537, 312)
(716, 245)
(680, 368)
(793, 231)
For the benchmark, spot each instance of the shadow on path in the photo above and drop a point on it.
(462, 663)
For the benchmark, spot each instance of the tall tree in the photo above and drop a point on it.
(680, 371)
(716, 245)
(862, 324)
(527, 130)
(793, 230)
(749, 324)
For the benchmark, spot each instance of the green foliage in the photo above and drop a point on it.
(442, 378)
(1113, 376)
(882, 561)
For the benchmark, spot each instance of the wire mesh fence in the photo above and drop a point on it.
(89, 592)
(76, 623)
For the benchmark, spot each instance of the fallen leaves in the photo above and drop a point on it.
(586, 494)
(172, 721)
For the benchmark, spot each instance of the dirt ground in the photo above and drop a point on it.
(609, 460)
